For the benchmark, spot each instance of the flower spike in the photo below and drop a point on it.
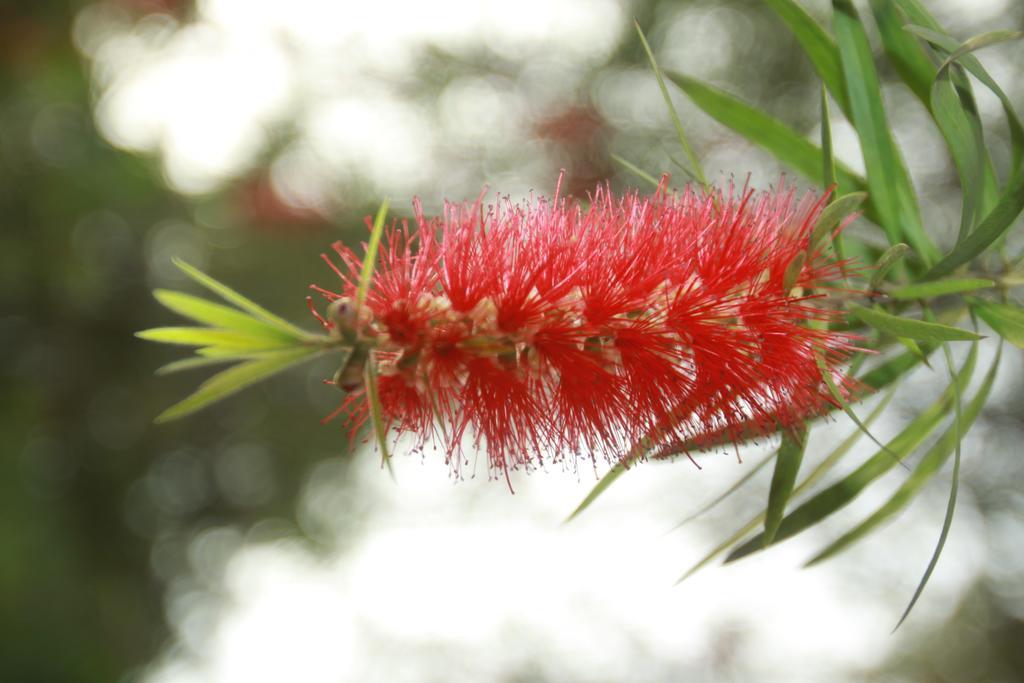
(549, 330)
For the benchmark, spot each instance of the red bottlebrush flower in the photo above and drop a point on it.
(547, 330)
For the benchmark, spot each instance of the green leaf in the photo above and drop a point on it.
(208, 336)
(216, 315)
(991, 228)
(202, 362)
(233, 297)
(1005, 319)
(822, 468)
(818, 45)
(908, 58)
(838, 495)
(956, 114)
(370, 257)
(918, 14)
(784, 143)
(698, 170)
(722, 547)
(929, 464)
(636, 170)
(822, 230)
(885, 263)
(928, 290)
(833, 215)
(892, 369)
(609, 478)
(984, 40)
(222, 352)
(828, 166)
(837, 396)
(1011, 202)
(380, 430)
(898, 326)
(888, 180)
(638, 451)
(787, 464)
(833, 458)
(236, 378)
(947, 522)
(751, 472)
(915, 349)
(793, 270)
(933, 34)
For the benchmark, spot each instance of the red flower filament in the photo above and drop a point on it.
(547, 330)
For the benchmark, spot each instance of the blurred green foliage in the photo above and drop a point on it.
(96, 504)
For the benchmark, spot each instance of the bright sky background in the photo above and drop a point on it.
(207, 95)
(463, 581)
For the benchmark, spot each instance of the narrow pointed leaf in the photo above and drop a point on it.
(696, 167)
(242, 302)
(722, 547)
(838, 495)
(787, 464)
(912, 329)
(982, 41)
(818, 45)
(920, 19)
(888, 181)
(225, 352)
(609, 478)
(991, 228)
(894, 368)
(915, 349)
(750, 474)
(917, 13)
(1010, 203)
(832, 216)
(933, 34)
(793, 271)
(380, 429)
(217, 315)
(788, 146)
(947, 522)
(889, 258)
(208, 336)
(202, 362)
(819, 471)
(929, 290)
(956, 114)
(828, 159)
(838, 397)
(635, 170)
(370, 257)
(1005, 319)
(930, 463)
(828, 155)
(910, 60)
(236, 378)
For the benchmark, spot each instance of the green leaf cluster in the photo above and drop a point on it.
(918, 288)
(259, 343)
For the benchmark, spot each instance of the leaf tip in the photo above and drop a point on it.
(168, 415)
